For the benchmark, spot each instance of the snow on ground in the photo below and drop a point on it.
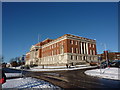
(13, 74)
(50, 67)
(27, 82)
(58, 69)
(15, 67)
(109, 73)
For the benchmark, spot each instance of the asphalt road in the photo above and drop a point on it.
(72, 79)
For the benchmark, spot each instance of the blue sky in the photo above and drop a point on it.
(22, 22)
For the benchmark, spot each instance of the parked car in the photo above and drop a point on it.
(24, 67)
(3, 78)
(93, 64)
(104, 64)
(115, 63)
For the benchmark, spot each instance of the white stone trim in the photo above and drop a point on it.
(55, 41)
(87, 47)
(84, 48)
(81, 39)
(81, 48)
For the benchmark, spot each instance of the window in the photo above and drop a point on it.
(52, 52)
(36, 49)
(80, 57)
(55, 45)
(90, 45)
(84, 57)
(71, 41)
(75, 50)
(72, 50)
(90, 58)
(71, 57)
(94, 52)
(93, 45)
(75, 42)
(57, 51)
(76, 57)
(91, 52)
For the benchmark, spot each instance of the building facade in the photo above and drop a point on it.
(67, 49)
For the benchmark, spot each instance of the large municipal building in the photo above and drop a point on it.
(67, 49)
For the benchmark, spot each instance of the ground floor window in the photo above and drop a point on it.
(90, 58)
(76, 57)
(84, 57)
(71, 57)
(80, 57)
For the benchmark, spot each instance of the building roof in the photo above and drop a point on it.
(68, 35)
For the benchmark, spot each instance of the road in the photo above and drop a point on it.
(73, 79)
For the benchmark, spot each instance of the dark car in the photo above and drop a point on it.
(104, 64)
(115, 63)
(24, 67)
(3, 78)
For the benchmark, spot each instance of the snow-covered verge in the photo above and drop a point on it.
(108, 73)
(27, 82)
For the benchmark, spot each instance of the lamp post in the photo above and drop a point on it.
(100, 58)
(105, 52)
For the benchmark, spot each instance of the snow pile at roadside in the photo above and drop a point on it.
(50, 67)
(27, 83)
(57, 69)
(15, 67)
(109, 73)
(13, 74)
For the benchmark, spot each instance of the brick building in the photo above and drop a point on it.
(67, 49)
(110, 55)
